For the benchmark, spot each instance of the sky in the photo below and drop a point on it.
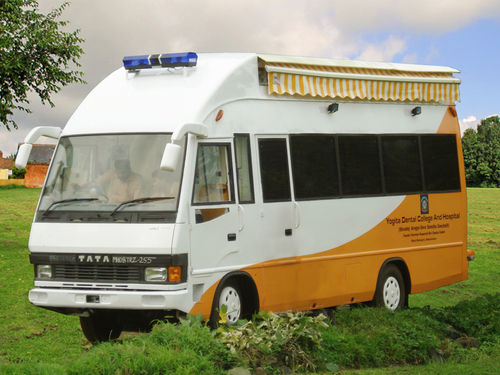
(460, 34)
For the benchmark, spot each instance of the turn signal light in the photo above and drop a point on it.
(174, 274)
(470, 255)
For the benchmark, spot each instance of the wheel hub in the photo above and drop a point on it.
(391, 293)
(230, 297)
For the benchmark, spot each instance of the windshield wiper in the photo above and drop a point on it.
(138, 201)
(67, 201)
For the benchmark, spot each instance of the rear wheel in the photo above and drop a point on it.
(100, 326)
(391, 290)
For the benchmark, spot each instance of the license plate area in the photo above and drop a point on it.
(93, 299)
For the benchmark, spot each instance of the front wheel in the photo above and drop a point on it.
(100, 326)
(230, 296)
(391, 290)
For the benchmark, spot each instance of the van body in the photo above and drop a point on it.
(295, 184)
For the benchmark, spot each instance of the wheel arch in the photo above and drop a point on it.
(248, 289)
(403, 268)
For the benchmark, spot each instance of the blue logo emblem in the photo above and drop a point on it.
(424, 204)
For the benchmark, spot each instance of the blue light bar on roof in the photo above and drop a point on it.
(164, 60)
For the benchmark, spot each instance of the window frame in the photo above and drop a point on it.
(284, 138)
(230, 173)
(250, 168)
(334, 138)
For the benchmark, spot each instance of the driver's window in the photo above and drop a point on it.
(213, 174)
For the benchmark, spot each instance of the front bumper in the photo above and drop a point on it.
(110, 299)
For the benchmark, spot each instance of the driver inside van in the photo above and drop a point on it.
(120, 183)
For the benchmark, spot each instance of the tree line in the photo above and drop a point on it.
(481, 149)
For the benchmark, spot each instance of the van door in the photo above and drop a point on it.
(276, 235)
(214, 215)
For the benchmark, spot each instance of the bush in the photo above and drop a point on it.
(272, 341)
(373, 337)
(186, 348)
(18, 173)
(361, 337)
(477, 318)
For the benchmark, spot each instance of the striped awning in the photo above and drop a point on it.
(359, 80)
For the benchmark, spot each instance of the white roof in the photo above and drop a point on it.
(356, 64)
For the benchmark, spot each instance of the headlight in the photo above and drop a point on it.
(155, 274)
(44, 271)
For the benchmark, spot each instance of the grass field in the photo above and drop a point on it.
(33, 335)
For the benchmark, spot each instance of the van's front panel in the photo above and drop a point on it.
(103, 230)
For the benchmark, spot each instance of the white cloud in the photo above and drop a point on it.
(424, 16)
(333, 28)
(385, 51)
(469, 122)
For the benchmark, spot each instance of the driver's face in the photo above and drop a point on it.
(122, 168)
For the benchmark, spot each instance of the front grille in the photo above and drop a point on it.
(108, 273)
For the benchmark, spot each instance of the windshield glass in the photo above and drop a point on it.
(110, 178)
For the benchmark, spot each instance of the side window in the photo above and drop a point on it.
(244, 168)
(401, 163)
(274, 170)
(359, 165)
(314, 166)
(439, 156)
(213, 174)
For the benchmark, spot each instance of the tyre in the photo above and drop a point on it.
(100, 326)
(391, 290)
(229, 295)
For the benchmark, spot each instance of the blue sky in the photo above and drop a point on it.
(464, 35)
(474, 51)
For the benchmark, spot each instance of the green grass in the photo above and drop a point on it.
(45, 342)
(27, 333)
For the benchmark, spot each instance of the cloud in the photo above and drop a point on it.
(470, 122)
(424, 16)
(334, 28)
(385, 51)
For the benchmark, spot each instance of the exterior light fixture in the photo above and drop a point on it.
(416, 111)
(333, 107)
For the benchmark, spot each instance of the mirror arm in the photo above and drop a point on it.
(197, 128)
(46, 131)
(24, 151)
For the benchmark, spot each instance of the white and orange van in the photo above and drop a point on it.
(186, 182)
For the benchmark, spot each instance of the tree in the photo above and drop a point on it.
(481, 150)
(35, 55)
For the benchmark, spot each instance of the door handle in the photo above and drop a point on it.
(231, 237)
(288, 232)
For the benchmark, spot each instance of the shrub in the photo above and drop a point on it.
(186, 348)
(477, 317)
(272, 340)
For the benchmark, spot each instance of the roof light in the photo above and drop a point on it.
(165, 60)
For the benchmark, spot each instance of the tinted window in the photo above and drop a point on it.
(359, 165)
(401, 161)
(274, 170)
(439, 155)
(243, 168)
(314, 166)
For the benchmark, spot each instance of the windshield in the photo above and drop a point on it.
(103, 178)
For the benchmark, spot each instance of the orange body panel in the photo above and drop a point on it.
(433, 246)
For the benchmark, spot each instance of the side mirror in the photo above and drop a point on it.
(24, 151)
(23, 155)
(171, 157)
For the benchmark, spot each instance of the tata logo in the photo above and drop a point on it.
(93, 259)
(424, 204)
